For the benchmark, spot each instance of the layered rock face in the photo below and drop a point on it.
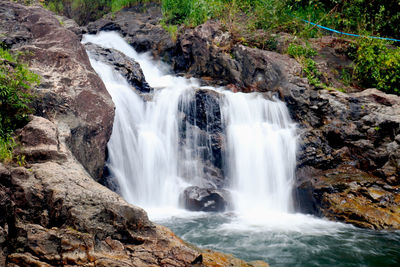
(351, 138)
(349, 163)
(70, 92)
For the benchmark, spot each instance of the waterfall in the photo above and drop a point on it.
(153, 161)
(261, 154)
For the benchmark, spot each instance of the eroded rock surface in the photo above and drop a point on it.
(70, 92)
(350, 195)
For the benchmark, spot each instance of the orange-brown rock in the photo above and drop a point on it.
(352, 196)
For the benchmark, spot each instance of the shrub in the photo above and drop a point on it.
(378, 17)
(376, 64)
(15, 92)
(304, 54)
(300, 51)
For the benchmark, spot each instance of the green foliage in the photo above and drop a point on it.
(346, 77)
(176, 11)
(301, 51)
(7, 155)
(117, 5)
(376, 64)
(191, 12)
(171, 29)
(84, 11)
(312, 73)
(378, 17)
(304, 54)
(7, 145)
(15, 92)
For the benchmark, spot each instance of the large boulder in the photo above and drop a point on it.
(354, 157)
(70, 92)
(360, 129)
(195, 198)
(55, 214)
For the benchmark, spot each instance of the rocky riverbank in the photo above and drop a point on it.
(351, 138)
(53, 212)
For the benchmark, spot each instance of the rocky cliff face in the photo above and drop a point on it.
(348, 142)
(70, 92)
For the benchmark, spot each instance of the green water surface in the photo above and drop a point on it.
(315, 244)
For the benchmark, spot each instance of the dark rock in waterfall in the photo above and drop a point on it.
(195, 198)
(201, 109)
(126, 66)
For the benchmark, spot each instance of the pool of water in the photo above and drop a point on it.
(288, 239)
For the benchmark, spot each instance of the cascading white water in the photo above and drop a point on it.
(261, 153)
(144, 150)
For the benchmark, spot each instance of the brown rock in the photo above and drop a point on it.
(70, 92)
(39, 141)
(350, 195)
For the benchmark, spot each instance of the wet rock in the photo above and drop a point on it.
(349, 195)
(70, 92)
(202, 117)
(205, 199)
(126, 66)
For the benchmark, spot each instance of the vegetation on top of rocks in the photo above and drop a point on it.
(304, 54)
(377, 65)
(256, 22)
(84, 11)
(15, 96)
(299, 50)
(277, 15)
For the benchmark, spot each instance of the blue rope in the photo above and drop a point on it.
(349, 34)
